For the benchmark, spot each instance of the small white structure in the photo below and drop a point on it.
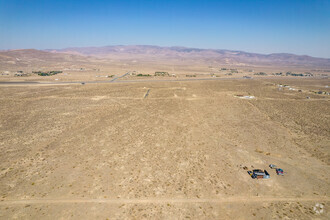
(247, 97)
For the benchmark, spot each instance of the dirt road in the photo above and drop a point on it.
(169, 200)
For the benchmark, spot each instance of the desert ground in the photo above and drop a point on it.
(165, 149)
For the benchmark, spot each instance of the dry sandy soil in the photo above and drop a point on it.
(103, 151)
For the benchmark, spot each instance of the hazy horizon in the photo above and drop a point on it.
(48, 49)
(295, 27)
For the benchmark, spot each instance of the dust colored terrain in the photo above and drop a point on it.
(165, 150)
(102, 63)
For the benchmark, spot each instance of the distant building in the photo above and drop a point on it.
(162, 74)
(247, 77)
(20, 74)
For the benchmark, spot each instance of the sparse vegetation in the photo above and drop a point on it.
(154, 131)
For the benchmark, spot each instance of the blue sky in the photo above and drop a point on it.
(269, 26)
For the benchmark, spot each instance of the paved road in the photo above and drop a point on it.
(112, 81)
(18, 82)
(135, 81)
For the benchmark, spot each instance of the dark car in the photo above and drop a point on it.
(259, 174)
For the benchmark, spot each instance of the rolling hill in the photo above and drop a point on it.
(153, 55)
(229, 57)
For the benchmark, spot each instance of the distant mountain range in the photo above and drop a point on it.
(165, 55)
(185, 54)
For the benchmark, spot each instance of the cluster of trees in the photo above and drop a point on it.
(261, 74)
(299, 74)
(140, 74)
(49, 73)
(293, 74)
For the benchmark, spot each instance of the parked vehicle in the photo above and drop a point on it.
(272, 166)
(279, 171)
(259, 174)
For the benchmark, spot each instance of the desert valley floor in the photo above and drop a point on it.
(165, 150)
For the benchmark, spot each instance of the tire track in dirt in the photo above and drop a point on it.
(147, 93)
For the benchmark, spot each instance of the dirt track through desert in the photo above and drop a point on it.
(168, 200)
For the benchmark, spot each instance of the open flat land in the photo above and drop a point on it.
(165, 150)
